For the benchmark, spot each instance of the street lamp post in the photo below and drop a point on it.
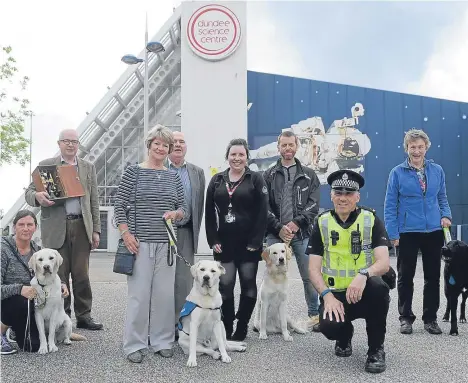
(152, 46)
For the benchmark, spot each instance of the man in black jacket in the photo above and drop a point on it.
(294, 196)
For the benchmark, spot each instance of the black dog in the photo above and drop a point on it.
(455, 256)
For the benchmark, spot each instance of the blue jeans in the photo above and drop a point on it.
(302, 259)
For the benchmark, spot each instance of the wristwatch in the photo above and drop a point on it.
(364, 272)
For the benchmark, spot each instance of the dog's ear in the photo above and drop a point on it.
(288, 252)
(221, 268)
(32, 262)
(193, 269)
(266, 255)
(58, 260)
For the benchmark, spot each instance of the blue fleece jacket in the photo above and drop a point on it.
(407, 209)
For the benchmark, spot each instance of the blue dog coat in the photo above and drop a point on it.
(187, 309)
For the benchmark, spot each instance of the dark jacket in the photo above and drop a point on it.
(15, 270)
(250, 208)
(306, 198)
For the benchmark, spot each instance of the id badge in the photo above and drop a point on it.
(229, 217)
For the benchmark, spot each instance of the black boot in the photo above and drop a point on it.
(376, 360)
(228, 316)
(246, 307)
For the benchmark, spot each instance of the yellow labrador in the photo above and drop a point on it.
(201, 330)
(50, 315)
(271, 312)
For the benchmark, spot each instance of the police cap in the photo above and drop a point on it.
(345, 180)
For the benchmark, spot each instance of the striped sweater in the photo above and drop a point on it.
(15, 272)
(157, 192)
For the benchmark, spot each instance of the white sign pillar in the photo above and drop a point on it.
(214, 83)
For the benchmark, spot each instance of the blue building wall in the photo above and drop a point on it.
(280, 101)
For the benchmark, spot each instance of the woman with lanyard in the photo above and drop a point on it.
(236, 218)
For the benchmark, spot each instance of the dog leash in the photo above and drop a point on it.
(27, 330)
(173, 244)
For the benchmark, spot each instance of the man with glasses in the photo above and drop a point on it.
(72, 227)
(348, 251)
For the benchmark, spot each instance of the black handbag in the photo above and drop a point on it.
(124, 258)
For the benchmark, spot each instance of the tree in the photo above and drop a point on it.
(13, 111)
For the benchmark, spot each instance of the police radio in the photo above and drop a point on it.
(356, 247)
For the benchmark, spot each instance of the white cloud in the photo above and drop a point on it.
(445, 75)
(268, 48)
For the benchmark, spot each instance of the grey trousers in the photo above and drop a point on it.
(183, 277)
(150, 306)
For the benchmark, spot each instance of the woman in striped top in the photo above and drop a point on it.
(153, 193)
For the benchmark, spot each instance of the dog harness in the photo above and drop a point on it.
(187, 309)
(40, 303)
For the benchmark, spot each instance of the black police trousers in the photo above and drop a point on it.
(373, 307)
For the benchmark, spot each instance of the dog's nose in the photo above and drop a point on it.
(47, 267)
(281, 260)
(206, 277)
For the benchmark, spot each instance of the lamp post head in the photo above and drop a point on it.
(131, 59)
(155, 47)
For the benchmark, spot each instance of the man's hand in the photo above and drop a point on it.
(286, 234)
(65, 292)
(293, 227)
(356, 288)
(396, 242)
(333, 306)
(28, 292)
(43, 199)
(130, 242)
(95, 243)
(217, 248)
(445, 222)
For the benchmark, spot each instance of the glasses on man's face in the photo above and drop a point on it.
(72, 142)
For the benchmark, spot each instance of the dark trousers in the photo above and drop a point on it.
(373, 307)
(75, 253)
(15, 315)
(430, 245)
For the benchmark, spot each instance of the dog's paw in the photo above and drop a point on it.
(287, 337)
(454, 331)
(43, 350)
(67, 342)
(53, 348)
(226, 358)
(216, 355)
(192, 362)
(263, 335)
(242, 348)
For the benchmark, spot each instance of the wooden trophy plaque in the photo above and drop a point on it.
(59, 181)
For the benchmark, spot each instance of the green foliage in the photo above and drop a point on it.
(13, 111)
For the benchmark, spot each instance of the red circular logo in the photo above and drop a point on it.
(213, 32)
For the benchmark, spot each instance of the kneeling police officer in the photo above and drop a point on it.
(348, 251)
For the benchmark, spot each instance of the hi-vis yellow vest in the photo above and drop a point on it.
(338, 265)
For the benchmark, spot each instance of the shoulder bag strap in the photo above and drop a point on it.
(135, 202)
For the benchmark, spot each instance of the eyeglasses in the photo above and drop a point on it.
(68, 142)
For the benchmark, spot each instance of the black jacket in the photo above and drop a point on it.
(306, 198)
(250, 208)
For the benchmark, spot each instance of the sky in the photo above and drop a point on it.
(72, 51)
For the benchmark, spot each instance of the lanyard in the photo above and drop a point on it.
(231, 191)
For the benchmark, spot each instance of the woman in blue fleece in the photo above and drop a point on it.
(416, 210)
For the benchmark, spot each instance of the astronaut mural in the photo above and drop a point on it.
(342, 146)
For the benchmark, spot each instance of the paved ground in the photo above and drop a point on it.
(416, 358)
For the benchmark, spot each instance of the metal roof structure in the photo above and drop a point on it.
(111, 135)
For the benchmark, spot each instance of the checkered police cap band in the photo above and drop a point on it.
(347, 183)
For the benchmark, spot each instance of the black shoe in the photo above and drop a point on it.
(376, 361)
(316, 327)
(432, 328)
(88, 324)
(343, 349)
(406, 327)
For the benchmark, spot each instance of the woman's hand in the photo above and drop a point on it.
(65, 292)
(445, 222)
(28, 292)
(174, 215)
(251, 248)
(217, 248)
(130, 242)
